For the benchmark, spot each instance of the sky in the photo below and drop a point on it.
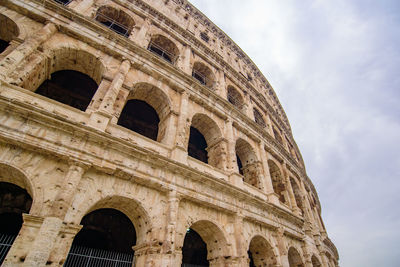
(335, 68)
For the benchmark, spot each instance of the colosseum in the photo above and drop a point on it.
(137, 133)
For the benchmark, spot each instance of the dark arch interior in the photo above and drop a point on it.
(239, 163)
(3, 45)
(69, 87)
(251, 264)
(13, 202)
(140, 117)
(194, 250)
(197, 145)
(107, 229)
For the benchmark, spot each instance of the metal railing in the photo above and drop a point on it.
(112, 24)
(63, 2)
(161, 52)
(6, 242)
(200, 77)
(90, 257)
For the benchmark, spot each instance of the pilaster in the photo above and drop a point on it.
(11, 61)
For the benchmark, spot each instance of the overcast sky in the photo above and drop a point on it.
(335, 68)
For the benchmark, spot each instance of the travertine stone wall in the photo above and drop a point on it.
(73, 162)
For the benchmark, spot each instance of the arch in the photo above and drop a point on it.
(164, 47)
(131, 208)
(205, 139)
(115, 19)
(234, 97)
(203, 74)
(258, 118)
(297, 194)
(106, 238)
(66, 58)
(8, 31)
(75, 76)
(277, 180)
(261, 253)
(294, 258)
(146, 111)
(213, 236)
(315, 261)
(248, 163)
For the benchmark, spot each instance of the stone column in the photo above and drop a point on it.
(11, 61)
(324, 260)
(99, 95)
(307, 255)
(16, 256)
(242, 258)
(179, 151)
(231, 153)
(44, 242)
(296, 210)
(81, 6)
(217, 154)
(233, 169)
(307, 209)
(67, 190)
(248, 107)
(173, 206)
(279, 237)
(141, 37)
(268, 187)
(107, 104)
(105, 112)
(184, 61)
(269, 125)
(221, 84)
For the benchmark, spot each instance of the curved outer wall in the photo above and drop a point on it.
(72, 162)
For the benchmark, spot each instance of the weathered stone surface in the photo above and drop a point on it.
(73, 162)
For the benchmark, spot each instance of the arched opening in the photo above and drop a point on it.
(294, 258)
(258, 118)
(14, 201)
(8, 31)
(261, 253)
(297, 194)
(163, 47)
(277, 180)
(204, 242)
(106, 239)
(194, 250)
(234, 97)
(203, 74)
(315, 261)
(69, 87)
(140, 117)
(115, 19)
(205, 141)
(197, 145)
(248, 164)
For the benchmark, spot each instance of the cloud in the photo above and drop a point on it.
(335, 67)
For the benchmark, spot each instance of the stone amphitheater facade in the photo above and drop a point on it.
(140, 129)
